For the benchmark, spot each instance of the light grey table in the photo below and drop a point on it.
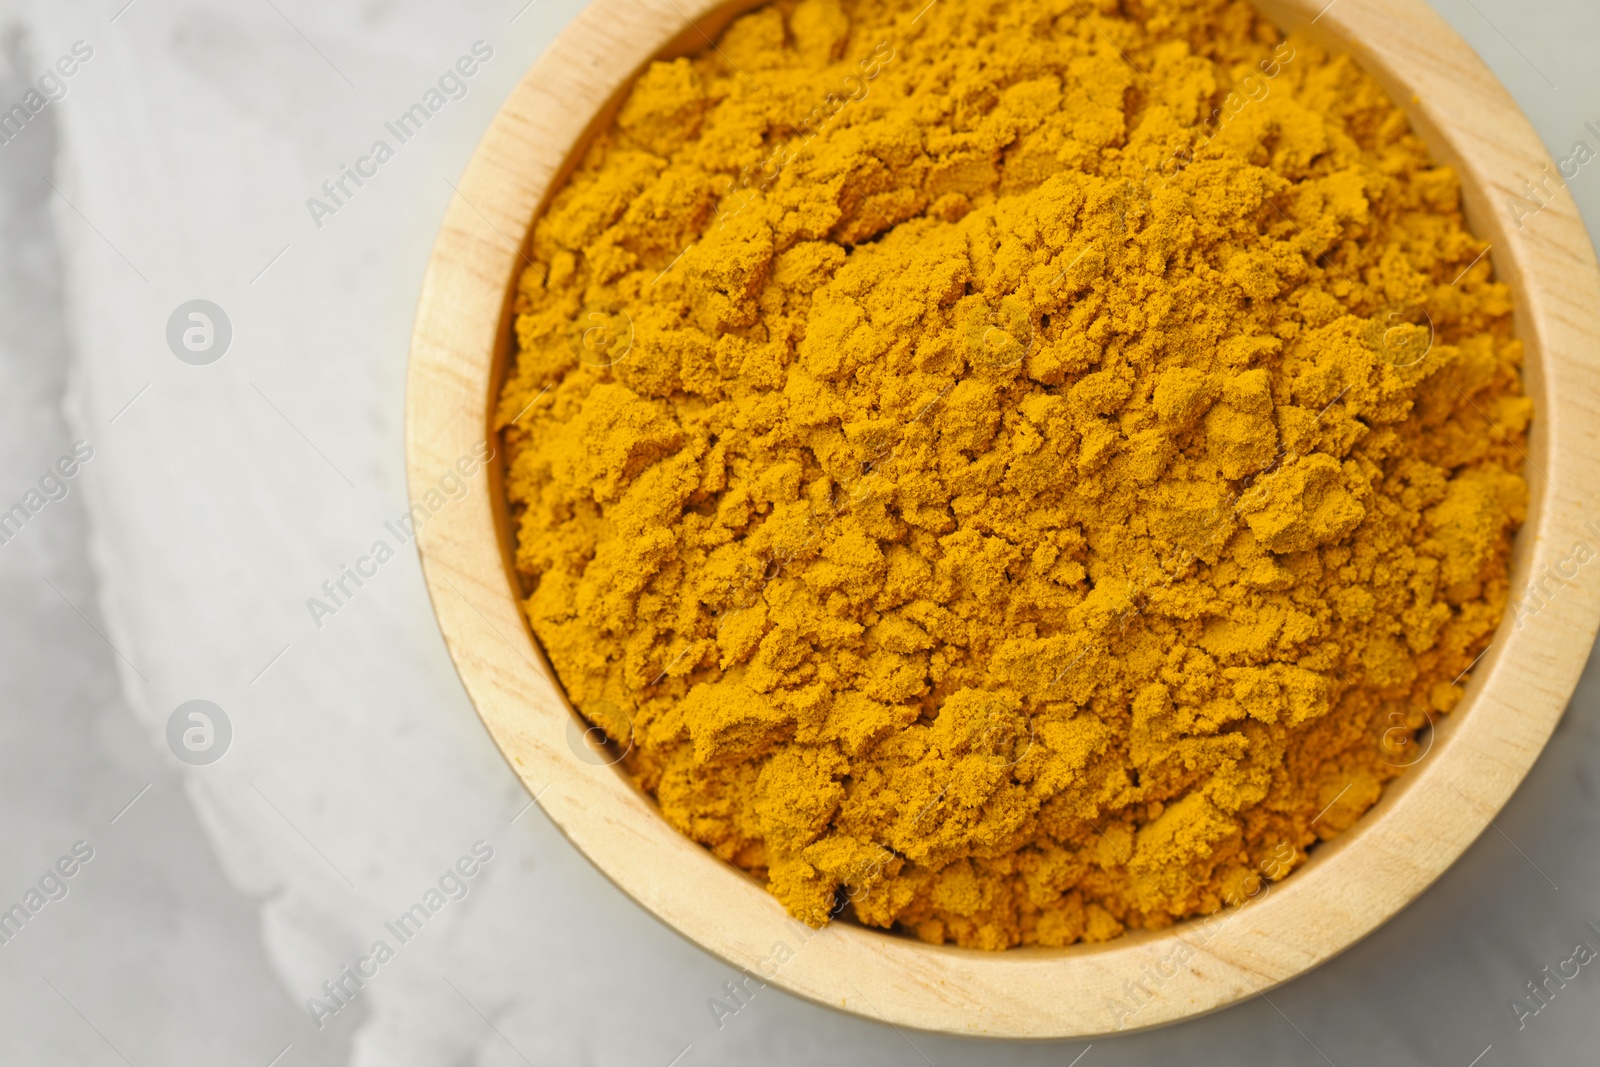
(218, 897)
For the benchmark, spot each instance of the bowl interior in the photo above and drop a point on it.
(1483, 220)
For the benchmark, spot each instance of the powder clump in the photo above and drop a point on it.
(1018, 472)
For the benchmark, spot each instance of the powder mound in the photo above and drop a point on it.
(1015, 473)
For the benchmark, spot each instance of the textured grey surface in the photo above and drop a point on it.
(220, 497)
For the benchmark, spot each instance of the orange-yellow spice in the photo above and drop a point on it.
(1014, 471)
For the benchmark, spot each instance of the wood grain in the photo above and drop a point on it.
(1424, 822)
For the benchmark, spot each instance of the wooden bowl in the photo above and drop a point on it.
(1425, 820)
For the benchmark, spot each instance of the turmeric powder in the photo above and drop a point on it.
(1012, 471)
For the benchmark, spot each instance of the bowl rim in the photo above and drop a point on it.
(1425, 820)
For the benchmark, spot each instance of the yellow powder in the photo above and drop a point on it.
(1017, 471)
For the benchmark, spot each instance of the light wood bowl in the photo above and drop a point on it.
(1425, 820)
